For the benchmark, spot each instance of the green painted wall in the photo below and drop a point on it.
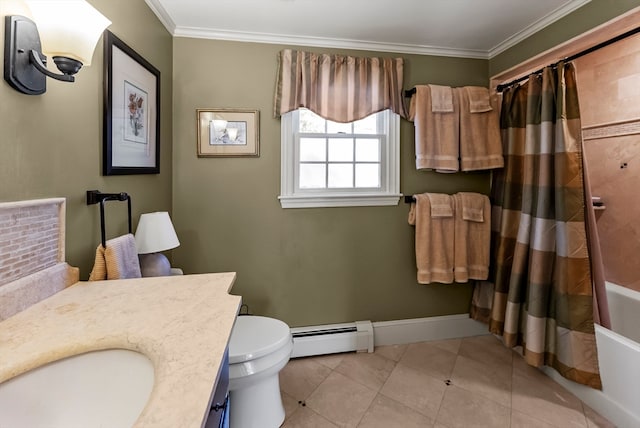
(589, 16)
(304, 266)
(51, 145)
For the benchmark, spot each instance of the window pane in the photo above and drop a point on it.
(341, 175)
(313, 150)
(336, 128)
(310, 122)
(367, 175)
(340, 150)
(368, 125)
(367, 150)
(312, 176)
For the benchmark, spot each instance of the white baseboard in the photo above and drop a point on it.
(414, 330)
(366, 334)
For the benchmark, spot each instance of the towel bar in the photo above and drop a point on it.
(95, 196)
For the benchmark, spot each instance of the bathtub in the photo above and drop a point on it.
(619, 361)
(619, 351)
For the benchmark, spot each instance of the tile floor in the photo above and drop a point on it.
(471, 382)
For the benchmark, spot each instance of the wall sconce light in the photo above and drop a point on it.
(155, 233)
(68, 30)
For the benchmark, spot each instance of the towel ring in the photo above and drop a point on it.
(95, 196)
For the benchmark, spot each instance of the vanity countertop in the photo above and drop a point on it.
(181, 323)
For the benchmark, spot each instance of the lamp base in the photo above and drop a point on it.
(154, 264)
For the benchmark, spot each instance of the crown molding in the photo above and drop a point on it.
(543, 22)
(205, 33)
(162, 15)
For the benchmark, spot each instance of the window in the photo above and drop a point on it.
(331, 164)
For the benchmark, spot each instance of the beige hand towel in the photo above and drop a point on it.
(441, 205)
(472, 236)
(436, 134)
(480, 139)
(434, 241)
(118, 261)
(478, 99)
(441, 99)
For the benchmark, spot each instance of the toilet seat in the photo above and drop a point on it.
(254, 337)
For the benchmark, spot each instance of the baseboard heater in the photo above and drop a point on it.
(331, 339)
(360, 336)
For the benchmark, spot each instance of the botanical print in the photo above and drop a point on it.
(135, 120)
(222, 132)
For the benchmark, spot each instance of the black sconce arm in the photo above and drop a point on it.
(38, 61)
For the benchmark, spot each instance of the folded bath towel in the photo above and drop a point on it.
(118, 261)
(480, 139)
(472, 236)
(434, 239)
(436, 134)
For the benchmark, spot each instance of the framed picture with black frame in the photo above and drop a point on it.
(131, 111)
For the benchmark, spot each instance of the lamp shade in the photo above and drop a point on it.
(68, 28)
(155, 233)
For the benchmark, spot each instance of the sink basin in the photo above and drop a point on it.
(106, 388)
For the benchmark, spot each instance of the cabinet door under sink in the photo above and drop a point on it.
(219, 413)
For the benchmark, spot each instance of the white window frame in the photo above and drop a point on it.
(388, 193)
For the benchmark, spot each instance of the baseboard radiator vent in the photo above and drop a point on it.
(333, 338)
(361, 336)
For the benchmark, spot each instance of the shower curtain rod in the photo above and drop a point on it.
(601, 45)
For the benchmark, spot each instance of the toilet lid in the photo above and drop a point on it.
(254, 337)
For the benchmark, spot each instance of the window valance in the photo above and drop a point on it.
(336, 87)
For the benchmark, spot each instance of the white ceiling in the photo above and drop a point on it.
(460, 28)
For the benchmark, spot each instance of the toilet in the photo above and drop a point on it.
(258, 349)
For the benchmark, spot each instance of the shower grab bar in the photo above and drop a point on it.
(96, 196)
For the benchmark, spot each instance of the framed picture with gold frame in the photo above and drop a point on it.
(228, 132)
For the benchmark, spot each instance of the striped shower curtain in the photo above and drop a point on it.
(542, 295)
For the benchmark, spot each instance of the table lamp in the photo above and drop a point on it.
(155, 233)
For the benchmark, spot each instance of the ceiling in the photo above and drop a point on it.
(459, 28)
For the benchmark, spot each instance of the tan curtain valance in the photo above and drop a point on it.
(336, 87)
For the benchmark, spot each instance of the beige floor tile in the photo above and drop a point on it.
(331, 360)
(537, 395)
(307, 418)
(520, 365)
(290, 404)
(387, 413)
(370, 370)
(594, 419)
(341, 400)
(301, 376)
(392, 352)
(464, 409)
(429, 359)
(451, 345)
(415, 389)
(522, 420)
(490, 381)
(487, 349)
